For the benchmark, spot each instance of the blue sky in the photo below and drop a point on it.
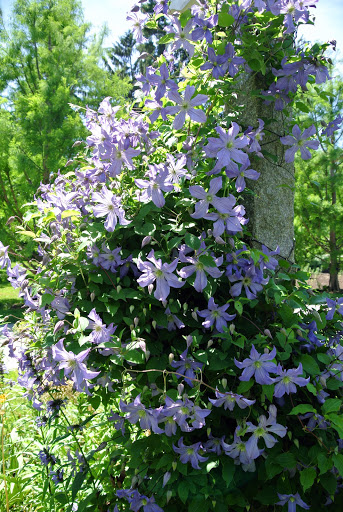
(329, 19)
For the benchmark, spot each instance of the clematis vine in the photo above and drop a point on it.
(259, 366)
(216, 315)
(186, 105)
(299, 142)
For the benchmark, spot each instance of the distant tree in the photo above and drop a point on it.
(319, 190)
(47, 61)
(121, 57)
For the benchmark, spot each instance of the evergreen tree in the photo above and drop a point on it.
(47, 61)
(319, 190)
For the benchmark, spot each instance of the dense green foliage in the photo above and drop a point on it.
(211, 369)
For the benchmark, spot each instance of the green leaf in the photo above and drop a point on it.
(182, 490)
(46, 299)
(302, 107)
(307, 477)
(225, 19)
(329, 482)
(324, 463)
(148, 228)
(302, 409)
(77, 483)
(134, 356)
(337, 423)
(208, 261)
(166, 39)
(310, 365)
(268, 390)
(244, 386)
(254, 64)
(338, 462)
(324, 358)
(70, 213)
(238, 307)
(228, 470)
(96, 278)
(332, 405)
(286, 460)
(192, 241)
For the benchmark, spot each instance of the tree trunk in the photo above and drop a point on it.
(271, 207)
(334, 266)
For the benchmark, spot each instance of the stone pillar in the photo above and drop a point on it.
(271, 207)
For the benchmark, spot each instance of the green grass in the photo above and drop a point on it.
(10, 303)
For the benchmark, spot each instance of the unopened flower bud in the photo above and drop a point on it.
(169, 495)
(174, 465)
(224, 382)
(232, 328)
(136, 321)
(189, 341)
(164, 303)
(209, 232)
(92, 296)
(214, 503)
(132, 327)
(296, 442)
(144, 311)
(268, 333)
(166, 478)
(322, 380)
(299, 333)
(150, 288)
(209, 343)
(194, 315)
(119, 288)
(153, 323)
(171, 358)
(283, 330)
(131, 308)
(146, 240)
(134, 481)
(180, 388)
(185, 307)
(147, 354)
(219, 240)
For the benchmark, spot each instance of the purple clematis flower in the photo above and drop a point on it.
(203, 30)
(163, 81)
(189, 453)
(222, 204)
(227, 148)
(138, 22)
(229, 399)
(288, 379)
(293, 500)
(161, 273)
(153, 188)
(300, 143)
(237, 450)
(183, 38)
(73, 366)
(233, 171)
(186, 106)
(332, 126)
(217, 315)
(109, 206)
(258, 365)
(252, 280)
(334, 305)
(176, 170)
(232, 62)
(186, 367)
(61, 306)
(215, 63)
(4, 259)
(109, 259)
(264, 429)
(201, 269)
(173, 321)
(158, 110)
(100, 333)
(16, 275)
(148, 418)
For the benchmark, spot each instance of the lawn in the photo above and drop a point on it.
(10, 303)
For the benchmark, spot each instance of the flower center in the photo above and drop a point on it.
(246, 281)
(190, 451)
(158, 273)
(257, 364)
(229, 145)
(199, 266)
(259, 432)
(209, 198)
